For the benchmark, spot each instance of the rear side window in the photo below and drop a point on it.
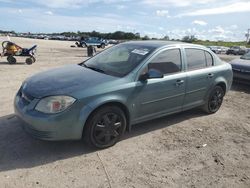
(209, 59)
(198, 59)
(195, 59)
(167, 62)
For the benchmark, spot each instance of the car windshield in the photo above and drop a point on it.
(246, 56)
(119, 60)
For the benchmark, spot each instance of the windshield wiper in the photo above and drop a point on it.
(94, 68)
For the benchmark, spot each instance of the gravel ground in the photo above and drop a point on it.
(189, 149)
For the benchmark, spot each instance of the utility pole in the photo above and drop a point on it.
(248, 35)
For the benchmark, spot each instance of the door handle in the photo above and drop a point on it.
(210, 75)
(179, 82)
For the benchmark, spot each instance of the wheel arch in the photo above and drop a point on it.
(118, 104)
(223, 86)
(222, 82)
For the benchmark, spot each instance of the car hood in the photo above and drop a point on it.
(240, 64)
(64, 81)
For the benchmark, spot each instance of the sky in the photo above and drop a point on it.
(226, 20)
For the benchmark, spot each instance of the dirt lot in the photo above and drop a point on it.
(166, 152)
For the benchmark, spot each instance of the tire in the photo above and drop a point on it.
(105, 127)
(214, 100)
(83, 45)
(102, 46)
(11, 60)
(29, 60)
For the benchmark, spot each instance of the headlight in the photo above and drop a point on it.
(54, 104)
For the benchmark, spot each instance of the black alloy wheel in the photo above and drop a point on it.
(215, 100)
(105, 127)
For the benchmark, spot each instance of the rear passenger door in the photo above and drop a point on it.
(200, 76)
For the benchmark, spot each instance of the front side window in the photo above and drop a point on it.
(167, 62)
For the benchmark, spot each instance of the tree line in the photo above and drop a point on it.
(121, 35)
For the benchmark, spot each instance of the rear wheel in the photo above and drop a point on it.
(11, 59)
(105, 127)
(215, 100)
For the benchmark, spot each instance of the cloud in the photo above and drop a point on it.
(231, 8)
(161, 28)
(48, 13)
(120, 7)
(69, 4)
(199, 22)
(176, 3)
(162, 13)
(233, 26)
(58, 23)
(213, 34)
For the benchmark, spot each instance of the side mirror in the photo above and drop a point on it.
(151, 74)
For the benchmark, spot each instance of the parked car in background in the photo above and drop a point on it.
(215, 49)
(92, 41)
(237, 50)
(241, 68)
(224, 49)
(113, 42)
(129, 83)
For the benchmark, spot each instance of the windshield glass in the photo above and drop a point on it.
(246, 56)
(119, 60)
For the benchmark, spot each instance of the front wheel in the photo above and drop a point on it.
(102, 46)
(30, 60)
(214, 100)
(105, 127)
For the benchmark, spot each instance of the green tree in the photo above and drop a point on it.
(145, 37)
(189, 39)
(166, 38)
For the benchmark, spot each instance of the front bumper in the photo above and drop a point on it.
(67, 125)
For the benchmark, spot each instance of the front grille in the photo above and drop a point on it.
(27, 98)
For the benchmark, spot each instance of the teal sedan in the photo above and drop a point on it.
(129, 83)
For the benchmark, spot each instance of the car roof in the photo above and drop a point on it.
(161, 43)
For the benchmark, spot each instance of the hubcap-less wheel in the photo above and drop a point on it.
(216, 99)
(29, 61)
(11, 60)
(105, 127)
(108, 129)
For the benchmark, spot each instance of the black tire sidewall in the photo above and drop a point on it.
(29, 61)
(11, 60)
(92, 121)
(211, 95)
